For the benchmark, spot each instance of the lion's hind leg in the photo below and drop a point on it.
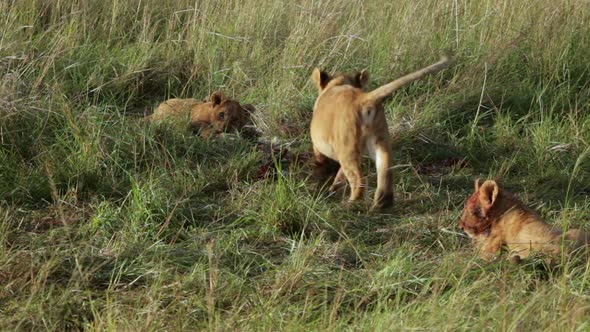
(339, 180)
(383, 160)
(351, 168)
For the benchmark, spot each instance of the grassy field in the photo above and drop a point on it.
(107, 223)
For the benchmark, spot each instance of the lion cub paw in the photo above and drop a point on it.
(382, 201)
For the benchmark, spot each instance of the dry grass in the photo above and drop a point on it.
(108, 224)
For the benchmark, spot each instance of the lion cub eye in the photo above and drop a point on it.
(221, 115)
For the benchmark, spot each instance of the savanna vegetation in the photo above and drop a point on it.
(108, 223)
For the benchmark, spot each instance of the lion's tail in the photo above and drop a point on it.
(387, 89)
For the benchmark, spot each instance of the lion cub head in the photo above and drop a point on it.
(479, 208)
(219, 114)
(483, 207)
(323, 80)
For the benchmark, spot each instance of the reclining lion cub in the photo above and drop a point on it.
(216, 115)
(348, 123)
(494, 218)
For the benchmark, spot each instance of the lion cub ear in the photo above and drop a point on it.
(488, 193)
(217, 97)
(362, 78)
(320, 78)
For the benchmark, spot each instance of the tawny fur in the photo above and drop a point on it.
(494, 218)
(213, 116)
(173, 109)
(348, 123)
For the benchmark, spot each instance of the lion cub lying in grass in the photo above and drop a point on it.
(348, 123)
(216, 115)
(494, 218)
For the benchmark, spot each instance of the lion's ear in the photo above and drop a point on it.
(362, 78)
(217, 97)
(320, 78)
(488, 193)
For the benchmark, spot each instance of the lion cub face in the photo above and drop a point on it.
(219, 114)
(476, 218)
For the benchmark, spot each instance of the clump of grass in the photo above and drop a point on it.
(108, 223)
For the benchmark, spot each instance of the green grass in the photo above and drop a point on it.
(107, 223)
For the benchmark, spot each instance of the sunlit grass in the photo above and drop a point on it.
(107, 223)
